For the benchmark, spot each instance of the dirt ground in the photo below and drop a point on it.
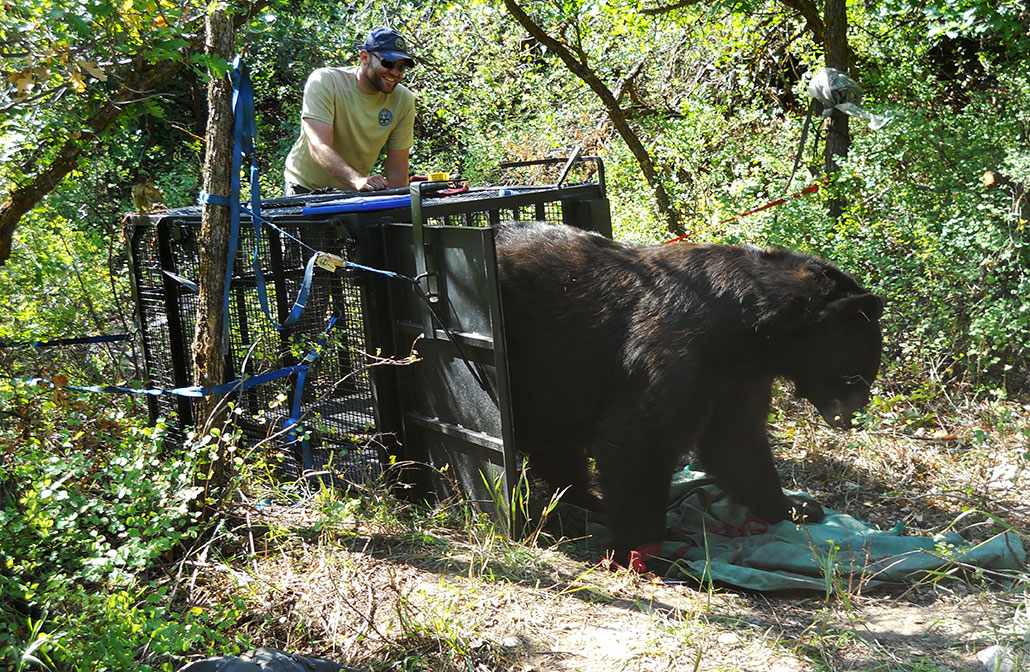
(434, 600)
(374, 589)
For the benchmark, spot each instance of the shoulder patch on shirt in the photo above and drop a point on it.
(385, 117)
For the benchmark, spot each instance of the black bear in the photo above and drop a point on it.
(635, 354)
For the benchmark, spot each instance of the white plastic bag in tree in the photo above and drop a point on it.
(837, 91)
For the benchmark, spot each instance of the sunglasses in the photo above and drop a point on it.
(390, 65)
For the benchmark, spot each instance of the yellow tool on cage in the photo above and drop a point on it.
(329, 262)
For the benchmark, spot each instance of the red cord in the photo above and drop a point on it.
(810, 189)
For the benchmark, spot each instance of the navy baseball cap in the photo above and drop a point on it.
(389, 44)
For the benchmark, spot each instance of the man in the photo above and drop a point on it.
(349, 115)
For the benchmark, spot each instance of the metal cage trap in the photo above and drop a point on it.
(450, 406)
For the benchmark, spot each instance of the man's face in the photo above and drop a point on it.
(380, 77)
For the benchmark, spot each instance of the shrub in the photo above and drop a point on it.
(91, 503)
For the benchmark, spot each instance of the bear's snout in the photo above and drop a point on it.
(839, 413)
(835, 416)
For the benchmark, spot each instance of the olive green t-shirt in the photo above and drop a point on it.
(363, 124)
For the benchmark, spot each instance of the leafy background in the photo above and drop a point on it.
(90, 501)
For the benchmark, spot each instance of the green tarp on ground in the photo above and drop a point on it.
(714, 539)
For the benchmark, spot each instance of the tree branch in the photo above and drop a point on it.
(665, 9)
(813, 19)
(627, 82)
(23, 198)
(611, 105)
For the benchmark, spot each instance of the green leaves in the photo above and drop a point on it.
(212, 65)
(88, 501)
(955, 18)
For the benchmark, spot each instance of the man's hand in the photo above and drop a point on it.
(371, 183)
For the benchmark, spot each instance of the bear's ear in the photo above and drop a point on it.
(856, 308)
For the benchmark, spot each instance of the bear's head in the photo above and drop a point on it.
(821, 330)
(838, 357)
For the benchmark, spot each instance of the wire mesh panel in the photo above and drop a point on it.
(336, 402)
(157, 292)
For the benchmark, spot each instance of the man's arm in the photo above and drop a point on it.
(319, 136)
(395, 165)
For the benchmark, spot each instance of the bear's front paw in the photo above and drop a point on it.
(804, 510)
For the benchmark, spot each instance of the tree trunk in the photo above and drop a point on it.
(838, 137)
(22, 198)
(213, 241)
(578, 67)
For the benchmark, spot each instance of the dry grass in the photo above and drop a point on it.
(925, 469)
(375, 584)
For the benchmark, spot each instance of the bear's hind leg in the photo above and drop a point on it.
(634, 471)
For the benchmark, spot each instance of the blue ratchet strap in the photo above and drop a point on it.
(193, 391)
(389, 274)
(245, 132)
(293, 422)
(239, 79)
(243, 141)
(295, 431)
(302, 296)
(204, 198)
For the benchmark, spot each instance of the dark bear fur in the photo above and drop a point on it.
(636, 354)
